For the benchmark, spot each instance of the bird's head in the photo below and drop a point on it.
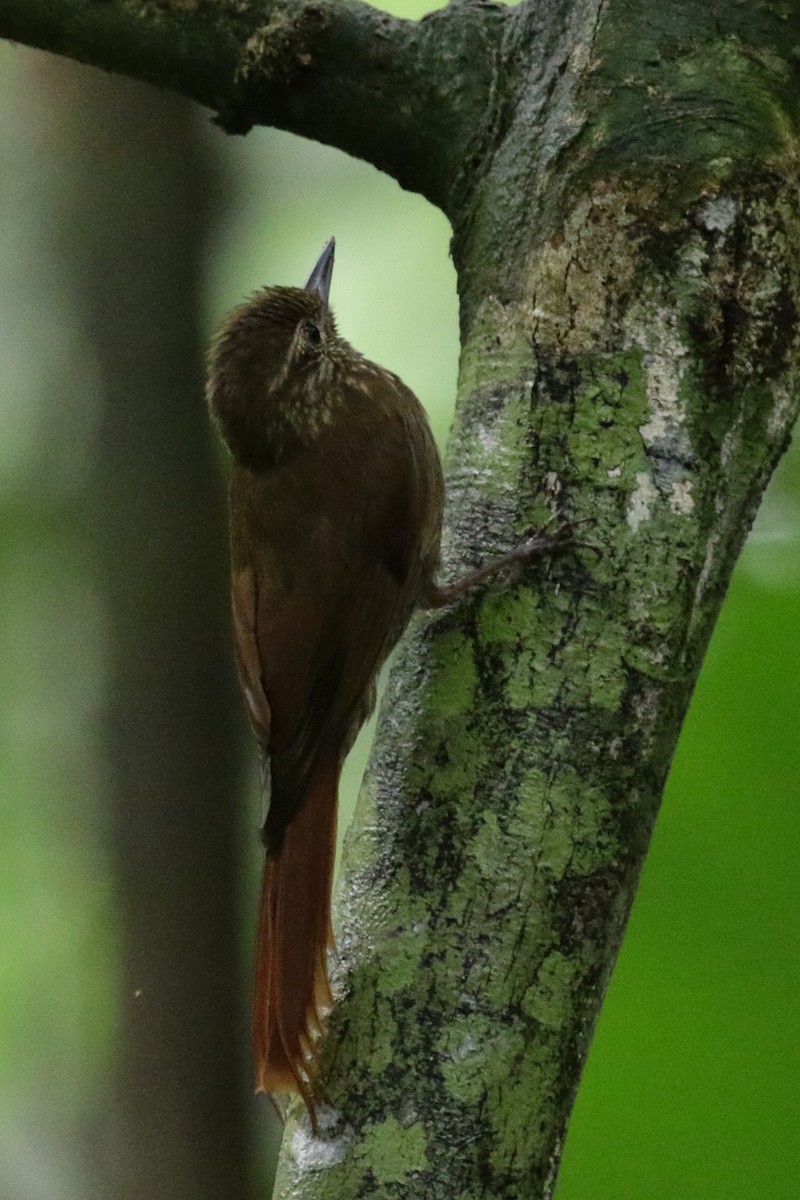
(271, 367)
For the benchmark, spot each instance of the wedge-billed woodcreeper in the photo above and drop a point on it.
(335, 508)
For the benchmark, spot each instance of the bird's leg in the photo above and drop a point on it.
(541, 545)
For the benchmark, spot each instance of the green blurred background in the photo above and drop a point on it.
(128, 859)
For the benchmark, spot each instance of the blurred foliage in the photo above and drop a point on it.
(57, 942)
(690, 1091)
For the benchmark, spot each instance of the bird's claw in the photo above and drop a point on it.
(560, 540)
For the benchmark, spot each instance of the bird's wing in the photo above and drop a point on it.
(319, 655)
(248, 665)
(324, 612)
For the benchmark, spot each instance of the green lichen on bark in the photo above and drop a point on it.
(527, 734)
(636, 363)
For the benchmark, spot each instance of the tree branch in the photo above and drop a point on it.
(410, 97)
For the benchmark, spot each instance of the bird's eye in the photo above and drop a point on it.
(312, 333)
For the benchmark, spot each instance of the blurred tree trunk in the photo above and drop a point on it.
(136, 202)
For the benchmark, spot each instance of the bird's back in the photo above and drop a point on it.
(342, 539)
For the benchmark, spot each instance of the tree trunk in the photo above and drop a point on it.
(621, 179)
(629, 305)
(174, 1123)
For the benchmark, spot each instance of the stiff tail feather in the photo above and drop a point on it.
(291, 987)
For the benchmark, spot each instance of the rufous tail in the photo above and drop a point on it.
(291, 989)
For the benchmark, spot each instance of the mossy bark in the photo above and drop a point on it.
(629, 308)
(622, 180)
(646, 378)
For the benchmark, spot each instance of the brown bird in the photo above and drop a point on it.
(335, 507)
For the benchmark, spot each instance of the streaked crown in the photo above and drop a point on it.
(271, 367)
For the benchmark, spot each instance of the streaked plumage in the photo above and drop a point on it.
(335, 514)
(336, 499)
